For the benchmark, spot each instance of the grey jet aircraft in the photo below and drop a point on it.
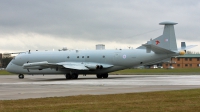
(98, 62)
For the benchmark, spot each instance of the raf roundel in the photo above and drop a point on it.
(124, 56)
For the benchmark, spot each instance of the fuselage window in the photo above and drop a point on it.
(67, 56)
(82, 56)
(103, 56)
(77, 56)
(88, 57)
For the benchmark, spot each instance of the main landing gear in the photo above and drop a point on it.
(102, 75)
(71, 76)
(21, 76)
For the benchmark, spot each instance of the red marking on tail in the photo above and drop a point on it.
(157, 42)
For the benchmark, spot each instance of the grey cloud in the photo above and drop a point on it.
(110, 20)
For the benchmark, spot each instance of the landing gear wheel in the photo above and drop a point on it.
(68, 76)
(105, 75)
(99, 76)
(74, 76)
(21, 76)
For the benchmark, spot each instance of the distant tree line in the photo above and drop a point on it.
(6, 61)
(192, 52)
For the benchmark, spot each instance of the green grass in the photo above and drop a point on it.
(159, 71)
(166, 101)
(4, 72)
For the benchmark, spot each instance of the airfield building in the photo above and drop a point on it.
(183, 61)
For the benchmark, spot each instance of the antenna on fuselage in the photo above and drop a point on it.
(29, 51)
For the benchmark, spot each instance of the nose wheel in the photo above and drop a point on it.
(21, 76)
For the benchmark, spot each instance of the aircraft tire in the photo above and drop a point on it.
(105, 75)
(74, 76)
(68, 76)
(21, 76)
(99, 76)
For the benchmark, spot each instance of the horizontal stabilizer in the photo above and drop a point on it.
(188, 47)
(156, 49)
(184, 47)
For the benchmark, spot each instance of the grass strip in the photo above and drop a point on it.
(188, 71)
(165, 101)
(4, 72)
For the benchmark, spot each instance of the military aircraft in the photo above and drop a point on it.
(98, 62)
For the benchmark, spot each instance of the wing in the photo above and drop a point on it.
(75, 66)
(67, 65)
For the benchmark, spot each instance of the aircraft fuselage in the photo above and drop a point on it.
(120, 59)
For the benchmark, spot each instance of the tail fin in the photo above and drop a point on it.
(168, 39)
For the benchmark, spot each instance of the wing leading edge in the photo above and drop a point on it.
(67, 65)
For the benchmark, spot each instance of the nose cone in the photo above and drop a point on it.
(13, 68)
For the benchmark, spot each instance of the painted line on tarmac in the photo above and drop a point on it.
(114, 82)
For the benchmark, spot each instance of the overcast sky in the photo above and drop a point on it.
(81, 24)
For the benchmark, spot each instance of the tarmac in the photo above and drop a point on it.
(38, 86)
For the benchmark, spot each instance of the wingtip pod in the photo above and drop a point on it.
(182, 52)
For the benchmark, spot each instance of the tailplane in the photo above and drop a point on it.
(184, 47)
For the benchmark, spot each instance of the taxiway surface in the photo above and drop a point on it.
(56, 85)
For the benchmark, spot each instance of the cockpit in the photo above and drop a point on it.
(20, 59)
